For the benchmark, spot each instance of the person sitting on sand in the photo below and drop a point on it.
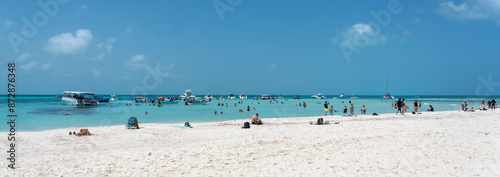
(255, 119)
(471, 110)
(84, 132)
(431, 109)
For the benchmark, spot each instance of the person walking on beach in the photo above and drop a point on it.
(326, 107)
(398, 104)
(352, 109)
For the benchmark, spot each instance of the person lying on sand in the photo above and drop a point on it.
(255, 119)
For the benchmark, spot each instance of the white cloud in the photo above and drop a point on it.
(46, 66)
(128, 30)
(105, 48)
(137, 62)
(471, 10)
(95, 72)
(23, 57)
(405, 35)
(272, 66)
(29, 66)
(415, 20)
(68, 44)
(9, 24)
(82, 7)
(361, 35)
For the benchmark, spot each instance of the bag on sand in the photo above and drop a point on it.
(375, 114)
(320, 121)
(246, 125)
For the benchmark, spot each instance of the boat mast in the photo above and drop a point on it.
(387, 84)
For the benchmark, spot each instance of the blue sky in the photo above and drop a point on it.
(239, 46)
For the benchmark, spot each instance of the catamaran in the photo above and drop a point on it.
(388, 95)
(79, 98)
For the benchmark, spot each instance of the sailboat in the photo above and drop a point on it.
(388, 95)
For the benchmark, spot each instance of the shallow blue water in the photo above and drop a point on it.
(42, 112)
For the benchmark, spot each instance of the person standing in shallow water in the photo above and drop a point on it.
(398, 104)
(326, 107)
(352, 109)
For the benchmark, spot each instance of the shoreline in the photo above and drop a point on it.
(333, 118)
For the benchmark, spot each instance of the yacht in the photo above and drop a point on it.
(243, 96)
(318, 96)
(231, 96)
(186, 94)
(79, 98)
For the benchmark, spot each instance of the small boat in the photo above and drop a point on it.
(195, 101)
(318, 96)
(140, 99)
(342, 96)
(169, 100)
(79, 98)
(222, 98)
(281, 96)
(101, 99)
(113, 98)
(208, 97)
(265, 97)
(243, 96)
(231, 96)
(186, 94)
(354, 97)
(296, 97)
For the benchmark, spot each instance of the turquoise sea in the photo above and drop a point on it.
(43, 112)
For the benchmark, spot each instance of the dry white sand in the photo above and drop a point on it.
(431, 144)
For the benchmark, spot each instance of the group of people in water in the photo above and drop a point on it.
(402, 107)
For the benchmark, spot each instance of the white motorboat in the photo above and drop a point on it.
(79, 98)
(140, 99)
(243, 96)
(318, 96)
(208, 97)
(113, 98)
(186, 94)
(342, 96)
(231, 96)
(354, 97)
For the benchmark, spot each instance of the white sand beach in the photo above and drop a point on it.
(448, 143)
